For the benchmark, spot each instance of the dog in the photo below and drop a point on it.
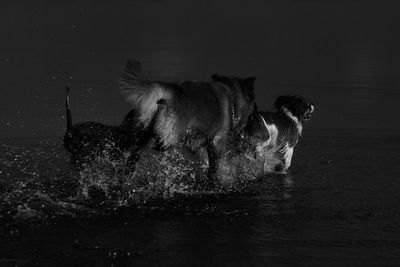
(197, 115)
(276, 133)
(84, 141)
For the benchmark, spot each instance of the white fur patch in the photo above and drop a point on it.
(166, 127)
(299, 125)
(287, 152)
(268, 149)
(273, 151)
(273, 136)
(144, 98)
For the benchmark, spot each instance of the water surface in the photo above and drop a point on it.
(338, 206)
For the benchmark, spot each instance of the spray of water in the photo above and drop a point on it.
(106, 182)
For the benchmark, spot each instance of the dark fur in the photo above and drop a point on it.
(198, 115)
(274, 145)
(297, 105)
(86, 140)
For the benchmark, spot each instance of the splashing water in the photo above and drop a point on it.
(161, 175)
(38, 181)
(157, 175)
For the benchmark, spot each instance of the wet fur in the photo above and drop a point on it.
(198, 115)
(276, 133)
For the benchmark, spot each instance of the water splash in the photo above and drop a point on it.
(157, 175)
(41, 184)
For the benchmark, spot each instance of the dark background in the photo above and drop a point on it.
(337, 206)
(344, 55)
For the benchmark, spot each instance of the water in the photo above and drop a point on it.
(338, 206)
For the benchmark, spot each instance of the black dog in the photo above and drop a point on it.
(198, 115)
(86, 140)
(276, 133)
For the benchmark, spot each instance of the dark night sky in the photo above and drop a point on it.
(341, 54)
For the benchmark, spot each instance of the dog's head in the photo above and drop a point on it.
(299, 106)
(242, 97)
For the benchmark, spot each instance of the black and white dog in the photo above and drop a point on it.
(198, 115)
(276, 133)
(86, 140)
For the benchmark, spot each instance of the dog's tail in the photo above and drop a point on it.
(145, 96)
(67, 109)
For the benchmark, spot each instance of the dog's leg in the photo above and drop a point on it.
(288, 157)
(213, 163)
(196, 143)
(166, 131)
(135, 136)
(161, 129)
(138, 137)
(203, 155)
(215, 150)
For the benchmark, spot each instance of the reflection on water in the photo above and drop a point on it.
(288, 185)
(338, 205)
